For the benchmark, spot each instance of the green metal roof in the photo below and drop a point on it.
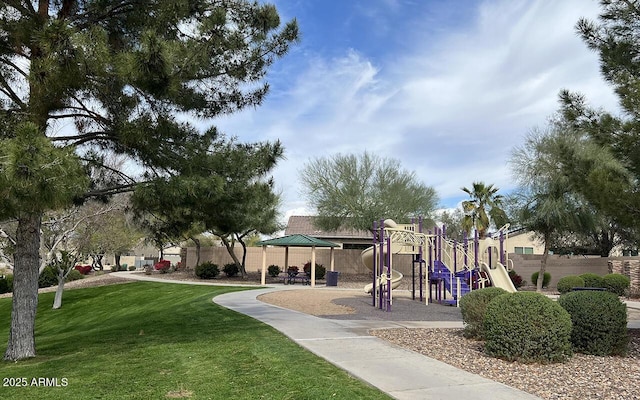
(297, 241)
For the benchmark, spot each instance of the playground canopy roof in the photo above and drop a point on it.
(297, 241)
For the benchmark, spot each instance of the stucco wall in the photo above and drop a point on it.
(558, 266)
(345, 261)
(349, 262)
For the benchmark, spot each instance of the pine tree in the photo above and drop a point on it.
(83, 80)
(615, 38)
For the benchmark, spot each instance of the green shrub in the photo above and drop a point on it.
(527, 327)
(616, 283)
(114, 268)
(566, 283)
(473, 306)
(321, 271)
(6, 283)
(545, 279)
(74, 275)
(207, 270)
(273, 270)
(132, 268)
(592, 280)
(48, 277)
(599, 322)
(231, 269)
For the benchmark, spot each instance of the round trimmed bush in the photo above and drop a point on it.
(207, 270)
(321, 271)
(273, 270)
(74, 275)
(231, 270)
(592, 280)
(48, 277)
(616, 283)
(473, 306)
(527, 327)
(566, 283)
(545, 279)
(6, 284)
(599, 322)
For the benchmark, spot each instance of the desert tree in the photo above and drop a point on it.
(353, 191)
(546, 201)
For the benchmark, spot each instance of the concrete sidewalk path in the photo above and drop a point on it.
(401, 373)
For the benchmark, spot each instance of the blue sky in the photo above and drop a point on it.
(449, 88)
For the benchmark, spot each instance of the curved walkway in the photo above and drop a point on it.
(401, 373)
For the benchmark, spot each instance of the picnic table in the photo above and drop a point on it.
(290, 278)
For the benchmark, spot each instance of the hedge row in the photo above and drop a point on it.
(530, 327)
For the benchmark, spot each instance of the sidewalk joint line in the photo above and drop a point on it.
(335, 338)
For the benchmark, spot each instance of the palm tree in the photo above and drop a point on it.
(484, 208)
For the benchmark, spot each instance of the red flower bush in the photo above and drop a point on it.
(83, 269)
(163, 266)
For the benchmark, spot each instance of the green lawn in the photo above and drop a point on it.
(156, 341)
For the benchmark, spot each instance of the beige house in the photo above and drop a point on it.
(348, 239)
(519, 241)
(522, 241)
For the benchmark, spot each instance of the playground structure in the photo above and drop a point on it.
(446, 268)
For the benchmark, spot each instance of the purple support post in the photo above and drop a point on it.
(502, 248)
(374, 264)
(430, 272)
(381, 240)
(388, 257)
(421, 261)
(439, 253)
(476, 248)
(413, 265)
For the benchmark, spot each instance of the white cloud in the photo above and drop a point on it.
(451, 107)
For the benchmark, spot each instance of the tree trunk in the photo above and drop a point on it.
(116, 257)
(97, 262)
(543, 265)
(232, 253)
(25, 289)
(57, 301)
(198, 247)
(243, 269)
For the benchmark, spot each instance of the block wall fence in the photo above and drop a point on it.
(348, 262)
